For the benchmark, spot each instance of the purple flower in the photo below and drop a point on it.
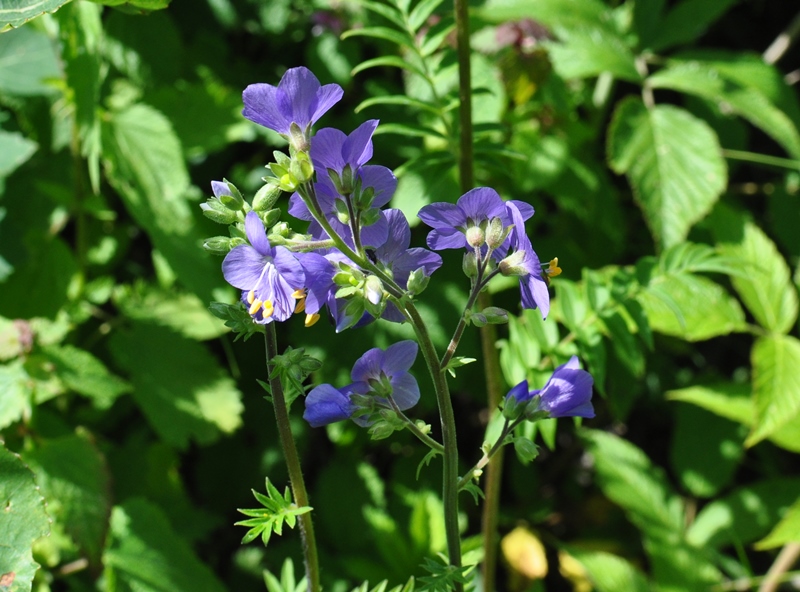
(299, 98)
(524, 262)
(465, 223)
(380, 373)
(568, 393)
(397, 258)
(271, 278)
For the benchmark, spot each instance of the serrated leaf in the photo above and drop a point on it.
(15, 149)
(178, 384)
(590, 51)
(28, 59)
(688, 20)
(22, 521)
(674, 164)
(744, 515)
(628, 478)
(76, 482)
(83, 373)
(776, 384)
(387, 61)
(702, 79)
(15, 393)
(149, 556)
(678, 566)
(766, 286)
(691, 307)
(14, 13)
(386, 33)
(786, 531)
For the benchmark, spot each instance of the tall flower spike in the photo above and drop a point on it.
(299, 98)
(269, 276)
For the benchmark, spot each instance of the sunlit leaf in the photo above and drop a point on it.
(15, 149)
(14, 13)
(786, 531)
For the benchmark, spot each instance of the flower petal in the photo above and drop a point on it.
(400, 357)
(442, 215)
(368, 366)
(398, 239)
(535, 294)
(327, 97)
(298, 208)
(261, 107)
(568, 393)
(326, 150)
(326, 404)
(375, 234)
(446, 238)
(242, 267)
(520, 392)
(254, 228)
(289, 268)
(297, 96)
(382, 180)
(405, 390)
(357, 148)
(525, 209)
(220, 188)
(481, 203)
(412, 260)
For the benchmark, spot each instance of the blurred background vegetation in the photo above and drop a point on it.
(660, 148)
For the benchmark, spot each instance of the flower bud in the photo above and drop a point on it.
(270, 217)
(470, 264)
(281, 229)
(301, 168)
(266, 197)
(475, 236)
(417, 281)
(217, 245)
(495, 315)
(512, 265)
(298, 138)
(342, 214)
(496, 233)
(214, 210)
(373, 290)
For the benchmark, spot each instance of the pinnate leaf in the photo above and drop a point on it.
(673, 162)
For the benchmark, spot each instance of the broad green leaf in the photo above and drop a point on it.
(83, 373)
(181, 312)
(76, 483)
(628, 478)
(704, 80)
(589, 52)
(688, 20)
(647, 20)
(610, 573)
(679, 566)
(15, 393)
(178, 384)
(22, 521)
(766, 286)
(786, 531)
(776, 384)
(673, 162)
(627, 348)
(148, 555)
(139, 5)
(691, 307)
(734, 402)
(745, 515)
(27, 61)
(15, 149)
(14, 13)
(705, 474)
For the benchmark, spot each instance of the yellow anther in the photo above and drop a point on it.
(311, 319)
(254, 306)
(299, 294)
(251, 296)
(301, 305)
(554, 269)
(268, 309)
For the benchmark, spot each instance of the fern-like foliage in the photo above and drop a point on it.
(444, 576)
(278, 509)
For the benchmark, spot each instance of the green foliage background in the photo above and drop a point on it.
(662, 154)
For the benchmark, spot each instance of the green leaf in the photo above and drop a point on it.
(610, 573)
(14, 13)
(27, 61)
(702, 79)
(22, 521)
(387, 61)
(765, 286)
(569, 14)
(15, 149)
(77, 485)
(386, 33)
(181, 312)
(397, 100)
(674, 164)
(705, 474)
(588, 52)
(743, 516)
(421, 12)
(628, 478)
(277, 510)
(388, 12)
(147, 555)
(678, 566)
(83, 373)
(687, 21)
(786, 531)
(178, 384)
(411, 130)
(776, 384)
(691, 307)
(626, 347)
(15, 393)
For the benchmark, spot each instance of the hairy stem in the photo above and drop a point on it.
(412, 427)
(292, 463)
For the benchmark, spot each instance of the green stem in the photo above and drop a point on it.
(762, 159)
(508, 427)
(464, 96)
(414, 429)
(292, 463)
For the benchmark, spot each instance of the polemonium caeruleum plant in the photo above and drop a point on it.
(353, 263)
